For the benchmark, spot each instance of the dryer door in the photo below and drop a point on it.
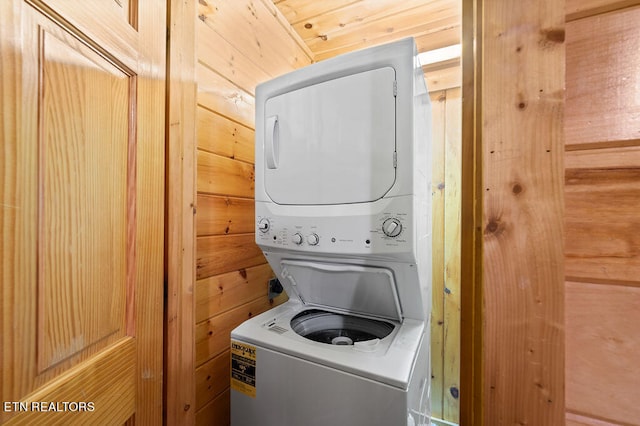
(332, 142)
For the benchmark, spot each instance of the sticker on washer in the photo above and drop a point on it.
(243, 368)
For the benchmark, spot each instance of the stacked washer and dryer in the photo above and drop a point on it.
(343, 207)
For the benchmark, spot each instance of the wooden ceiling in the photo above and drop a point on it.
(332, 27)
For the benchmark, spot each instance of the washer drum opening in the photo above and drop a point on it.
(338, 329)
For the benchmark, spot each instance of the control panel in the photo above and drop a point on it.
(388, 231)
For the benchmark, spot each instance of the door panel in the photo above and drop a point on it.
(82, 185)
(332, 142)
(82, 211)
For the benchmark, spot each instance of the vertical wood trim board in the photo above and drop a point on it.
(445, 315)
(452, 264)
(438, 109)
(472, 398)
(521, 98)
(150, 210)
(179, 349)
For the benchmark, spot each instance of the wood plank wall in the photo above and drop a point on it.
(240, 44)
(602, 196)
(445, 315)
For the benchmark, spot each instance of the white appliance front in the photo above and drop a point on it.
(293, 380)
(318, 140)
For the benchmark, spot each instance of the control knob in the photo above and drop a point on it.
(297, 238)
(313, 239)
(392, 227)
(264, 225)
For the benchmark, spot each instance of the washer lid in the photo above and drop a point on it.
(353, 288)
(333, 142)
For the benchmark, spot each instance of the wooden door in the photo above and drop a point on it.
(81, 186)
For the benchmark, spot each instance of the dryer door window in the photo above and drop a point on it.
(332, 142)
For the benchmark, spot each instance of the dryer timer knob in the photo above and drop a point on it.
(264, 225)
(392, 227)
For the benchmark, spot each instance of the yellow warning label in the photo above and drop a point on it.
(243, 368)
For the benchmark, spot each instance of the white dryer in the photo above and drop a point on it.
(343, 217)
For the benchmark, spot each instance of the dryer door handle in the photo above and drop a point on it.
(272, 142)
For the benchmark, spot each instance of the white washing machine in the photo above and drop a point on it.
(343, 217)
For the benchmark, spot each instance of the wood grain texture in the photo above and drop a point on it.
(220, 135)
(220, 293)
(443, 78)
(82, 235)
(438, 111)
(573, 419)
(436, 40)
(428, 36)
(150, 214)
(445, 316)
(252, 29)
(84, 132)
(602, 223)
(212, 378)
(284, 23)
(331, 28)
(92, 381)
(602, 192)
(16, 195)
(224, 215)
(218, 54)
(213, 335)
(472, 376)
(296, 11)
(179, 371)
(602, 351)
(602, 104)
(225, 253)
(102, 26)
(220, 95)
(577, 9)
(240, 44)
(452, 292)
(348, 18)
(224, 176)
(607, 158)
(217, 412)
(413, 26)
(522, 101)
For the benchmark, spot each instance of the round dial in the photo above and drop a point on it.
(392, 227)
(313, 239)
(297, 238)
(264, 225)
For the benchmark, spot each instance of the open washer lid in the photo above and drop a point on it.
(352, 288)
